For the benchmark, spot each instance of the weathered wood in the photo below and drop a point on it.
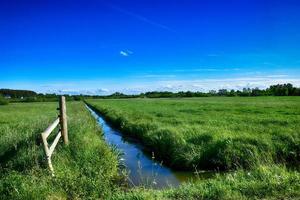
(48, 151)
(53, 145)
(46, 146)
(63, 119)
(48, 131)
(50, 165)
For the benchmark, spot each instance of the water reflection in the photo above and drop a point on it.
(143, 169)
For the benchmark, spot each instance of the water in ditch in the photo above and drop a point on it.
(143, 169)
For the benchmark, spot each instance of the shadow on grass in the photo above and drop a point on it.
(15, 157)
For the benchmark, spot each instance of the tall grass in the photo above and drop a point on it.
(3, 101)
(86, 169)
(212, 133)
(264, 182)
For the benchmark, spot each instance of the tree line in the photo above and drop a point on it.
(31, 96)
(274, 90)
(17, 93)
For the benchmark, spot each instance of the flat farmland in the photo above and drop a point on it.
(222, 133)
(88, 168)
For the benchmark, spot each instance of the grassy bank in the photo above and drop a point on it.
(86, 169)
(212, 133)
(265, 182)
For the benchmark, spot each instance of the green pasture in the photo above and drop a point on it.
(256, 139)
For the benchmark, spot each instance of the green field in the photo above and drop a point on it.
(257, 138)
(85, 169)
(212, 133)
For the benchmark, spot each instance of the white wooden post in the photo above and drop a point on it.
(63, 119)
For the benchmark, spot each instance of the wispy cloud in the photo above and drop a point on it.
(140, 18)
(157, 82)
(157, 76)
(125, 53)
(207, 69)
(269, 64)
(228, 83)
(277, 76)
(205, 85)
(102, 90)
(204, 69)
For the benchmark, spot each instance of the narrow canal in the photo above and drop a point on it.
(143, 169)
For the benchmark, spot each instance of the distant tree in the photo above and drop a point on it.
(142, 95)
(78, 97)
(296, 92)
(256, 92)
(246, 91)
(275, 90)
(189, 94)
(232, 93)
(222, 92)
(212, 92)
(17, 93)
(282, 89)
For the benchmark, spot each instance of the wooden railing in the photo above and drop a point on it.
(63, 131)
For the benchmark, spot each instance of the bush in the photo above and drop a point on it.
(3, 101)
(29, 99)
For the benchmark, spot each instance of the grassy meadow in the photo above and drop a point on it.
(256, 138)
(212, 133)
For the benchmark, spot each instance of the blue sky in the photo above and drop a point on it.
(101, 46)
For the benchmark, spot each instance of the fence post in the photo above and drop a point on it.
(63, 119)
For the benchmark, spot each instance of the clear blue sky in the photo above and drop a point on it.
(101, 46)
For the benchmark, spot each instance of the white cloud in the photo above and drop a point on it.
(103, 90)
(157, 76)
(125, 53)
(135, 85)
(207, 69)
(204, 85)
(227, 83)
(65, 91)
(277, 76)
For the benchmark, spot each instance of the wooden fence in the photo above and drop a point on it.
(63, 131)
